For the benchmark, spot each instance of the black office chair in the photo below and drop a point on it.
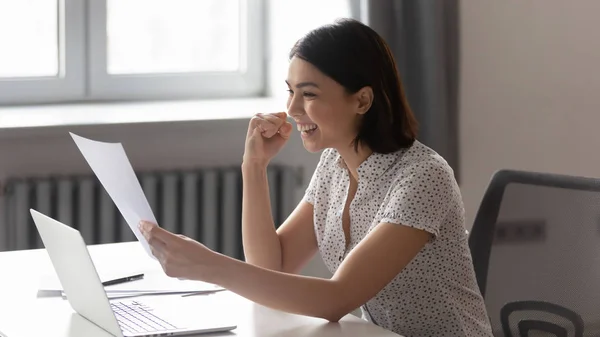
(536, 251)
(526, 326)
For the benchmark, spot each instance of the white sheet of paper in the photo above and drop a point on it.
(112, 167)
(155, 282)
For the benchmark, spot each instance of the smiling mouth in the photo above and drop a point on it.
(307, 128)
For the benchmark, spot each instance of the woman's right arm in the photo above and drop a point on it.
(289, 248)
(292, 245)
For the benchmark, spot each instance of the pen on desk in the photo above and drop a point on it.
(123, 280)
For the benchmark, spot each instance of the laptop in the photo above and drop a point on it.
(122, 318)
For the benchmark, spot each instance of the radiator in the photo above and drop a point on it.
(203, 204)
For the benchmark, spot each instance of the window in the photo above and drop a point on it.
(167, 37)
(41, 58)
(74, 50)
(34, 51)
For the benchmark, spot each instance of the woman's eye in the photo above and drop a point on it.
(309, 94)
(290, 92)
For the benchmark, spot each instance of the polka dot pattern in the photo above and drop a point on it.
(436, 294)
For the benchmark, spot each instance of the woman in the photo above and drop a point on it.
(383, 210)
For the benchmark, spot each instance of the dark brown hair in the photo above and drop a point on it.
(355, 56)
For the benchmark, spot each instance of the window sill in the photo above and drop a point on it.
(48, 116)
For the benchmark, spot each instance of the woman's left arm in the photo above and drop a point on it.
(369, 267)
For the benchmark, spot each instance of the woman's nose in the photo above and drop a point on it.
(294, 109)
(294, 113)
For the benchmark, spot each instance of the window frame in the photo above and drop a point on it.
(83, 74)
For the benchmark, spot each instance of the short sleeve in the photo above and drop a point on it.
(422, 197)
(313, 185)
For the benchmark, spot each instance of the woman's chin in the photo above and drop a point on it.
(311, 146)
(312, 141)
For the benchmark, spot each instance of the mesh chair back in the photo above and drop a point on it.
(536, 240)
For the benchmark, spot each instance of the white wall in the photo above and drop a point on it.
(530, 82)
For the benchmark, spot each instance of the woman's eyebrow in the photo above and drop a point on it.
(304, 84)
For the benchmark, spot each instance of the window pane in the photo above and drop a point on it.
(28, 38)
(171, 36)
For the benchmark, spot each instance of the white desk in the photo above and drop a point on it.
(22, 314)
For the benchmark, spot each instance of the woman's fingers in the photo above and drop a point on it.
(282, 115)
(153, 230)
(156, 252)
(157, 246)
(286, 130)
(268, 124)
(156, 237)
(277, 121)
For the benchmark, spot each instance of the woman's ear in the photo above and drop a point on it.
(365, 100)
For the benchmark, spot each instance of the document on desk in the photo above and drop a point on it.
(158, 281)
(155, 282)
(112, 167)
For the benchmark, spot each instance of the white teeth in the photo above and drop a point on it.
(306, 127)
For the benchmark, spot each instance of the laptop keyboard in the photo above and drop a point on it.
(135, 317)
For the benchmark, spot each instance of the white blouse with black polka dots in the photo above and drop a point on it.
(436, 294)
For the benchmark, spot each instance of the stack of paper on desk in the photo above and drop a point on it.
(153, 283)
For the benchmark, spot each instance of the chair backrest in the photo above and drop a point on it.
(526, 326)
(536, 238)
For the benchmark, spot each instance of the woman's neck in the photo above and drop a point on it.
(353, 159)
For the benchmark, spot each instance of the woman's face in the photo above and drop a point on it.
(326, 115)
